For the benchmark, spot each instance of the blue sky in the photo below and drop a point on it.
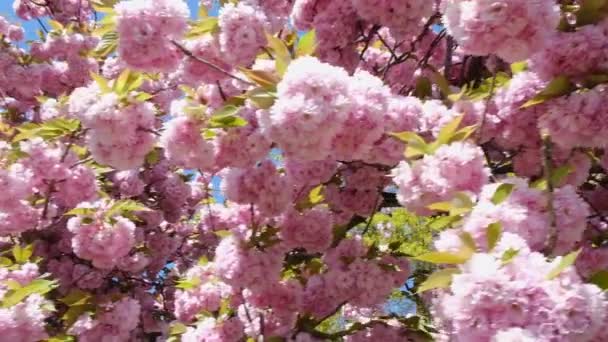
(6, 10)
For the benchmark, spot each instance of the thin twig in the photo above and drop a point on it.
(209, 64)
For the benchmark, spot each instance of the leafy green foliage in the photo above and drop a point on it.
(22, 255)
(202, 27)
(225, 117)
(502, 193)
(125, 208)
(107, 45)
(282, 56)
(565, 262)
(48, 130)
(16, 296)
(438, 280)
(559, 86)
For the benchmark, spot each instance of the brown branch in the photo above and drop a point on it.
(209, 64)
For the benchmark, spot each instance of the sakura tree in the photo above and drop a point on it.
(293, 170)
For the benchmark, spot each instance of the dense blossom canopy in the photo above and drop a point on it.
(304, 170)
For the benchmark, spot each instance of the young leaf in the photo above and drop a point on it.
(177, 329)
(203, 26)
(262, 98)
(441, 206)
(443, 258)
(559, 86)
(107, 45)
(5, 262)
(447, 132)
(22, 254)
(443, 222)
(600, 279)
(469, 247)
(316, 195)
(519, 67)
(440, 279)
(39, 286)
(81, 212)
(565, 262)
(101, 82)
(561, 173)
(76, 297)
(306, 44)
(125, 208)
(493, 235)
(502, 193)
(508, 255)
(263, 78)
(282, 56)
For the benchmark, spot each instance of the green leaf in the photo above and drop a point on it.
(306, 44)
(441, 206)
(74, 312)
(591, 11)
(76, 297)
(560, 174)
(423, 88)
(508, 255)
(105, 25)
(226, 117)
(55, 25)
(39, 286)
(316, 195)
(107, 45)
(187, 284)
(5, 262)
(443, 222)
(48, 130)
(493, 235)
(125, 208)
(282, 57)
(600, 279)
(104, 6)
(442, 83)
(443, 258)
(275, 339)
(101, 82)
(61, 338)
(262, 98)
(22, 254)
(81, 212)
(416, 146)
(127, 81)
(502, 193)
(177, 329)
(468, 243)
(202, 27)
(264, 79)
(447, 132)
(222, 233)
(595, 79)
(202, 261)
(463, 133)
(518, 67)
(565, 262)
(559, 86)
(440, 279)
